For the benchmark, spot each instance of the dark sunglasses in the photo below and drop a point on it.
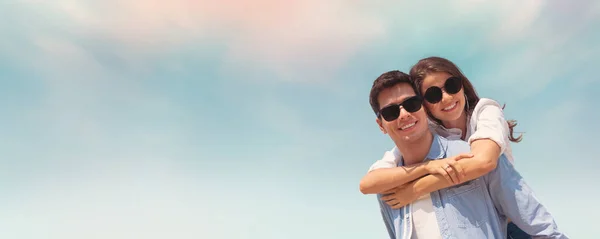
(392, 112)
(451, 86)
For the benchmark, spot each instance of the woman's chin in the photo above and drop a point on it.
(449, 116)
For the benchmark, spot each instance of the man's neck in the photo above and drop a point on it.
(415, 152)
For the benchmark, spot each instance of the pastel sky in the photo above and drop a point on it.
(250, 118)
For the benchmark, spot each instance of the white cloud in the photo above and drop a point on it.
(286, 38)
(515, 19)
(546, 48)
(305, 41)
(312, 37)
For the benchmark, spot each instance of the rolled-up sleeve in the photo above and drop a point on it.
(490, 124)
(390, 159)
(514, 199)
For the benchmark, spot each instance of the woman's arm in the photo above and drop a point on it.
(431, 183)
(384, 173)
(383, 179)
(408, 193)
(489, 140)
(487, 143)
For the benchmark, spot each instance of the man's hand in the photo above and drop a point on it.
(448, 168)
(400, 196)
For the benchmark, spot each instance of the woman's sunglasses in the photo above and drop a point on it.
(392, 112)
(451, 86)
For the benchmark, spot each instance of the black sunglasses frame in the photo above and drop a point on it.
(392, 112)
(452, 85)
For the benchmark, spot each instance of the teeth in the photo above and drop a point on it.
(450, 107)
(408, 126)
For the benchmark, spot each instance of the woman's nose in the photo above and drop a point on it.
(446, 97)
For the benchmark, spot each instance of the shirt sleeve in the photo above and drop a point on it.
(388, 224)
(490, 124)
(390, 160)
(513, 198)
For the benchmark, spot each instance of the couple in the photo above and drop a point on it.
(450, 174)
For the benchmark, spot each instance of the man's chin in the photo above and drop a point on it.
(410, 138)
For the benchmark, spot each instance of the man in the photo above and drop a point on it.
(478, 208)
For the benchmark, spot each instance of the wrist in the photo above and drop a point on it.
(425, 184)
(426, 167)
(417, 188)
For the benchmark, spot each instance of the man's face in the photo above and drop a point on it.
(408, 127)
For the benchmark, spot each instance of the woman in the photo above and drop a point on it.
(455, 111)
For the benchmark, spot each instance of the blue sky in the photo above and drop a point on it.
(250, 119)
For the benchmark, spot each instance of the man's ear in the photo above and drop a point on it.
(378, 120)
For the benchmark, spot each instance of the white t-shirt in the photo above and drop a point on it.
(486, 122)
(425, 224)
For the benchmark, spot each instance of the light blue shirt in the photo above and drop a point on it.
(479, 208)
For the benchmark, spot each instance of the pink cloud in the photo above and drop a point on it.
(286, 37)
(311, 38)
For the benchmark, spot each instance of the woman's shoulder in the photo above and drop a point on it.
(486, 102)
(485, 108)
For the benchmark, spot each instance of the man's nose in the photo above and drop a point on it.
(403, 114)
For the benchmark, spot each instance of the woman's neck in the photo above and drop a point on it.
(460, 123)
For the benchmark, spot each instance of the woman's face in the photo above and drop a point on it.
(448, 98)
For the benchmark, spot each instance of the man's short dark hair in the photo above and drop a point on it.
(385, 81)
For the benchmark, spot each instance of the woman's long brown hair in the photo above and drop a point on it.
(439, 64)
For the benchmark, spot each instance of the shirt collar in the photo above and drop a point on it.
(439, 145)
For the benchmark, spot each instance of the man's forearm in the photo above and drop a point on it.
(384, 179)
(430, 183)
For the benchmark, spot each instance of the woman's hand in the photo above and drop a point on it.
(448, 168)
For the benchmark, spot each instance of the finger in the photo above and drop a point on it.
(442, 171)
(386, 198)
(462, 156)
(389, 192)
(460, 172)
(452, 174)
(392, 203)
(401, 203)
(452, 170)
(397, 206)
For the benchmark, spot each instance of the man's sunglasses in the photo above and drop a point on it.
(451, 86)
(392, 112)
